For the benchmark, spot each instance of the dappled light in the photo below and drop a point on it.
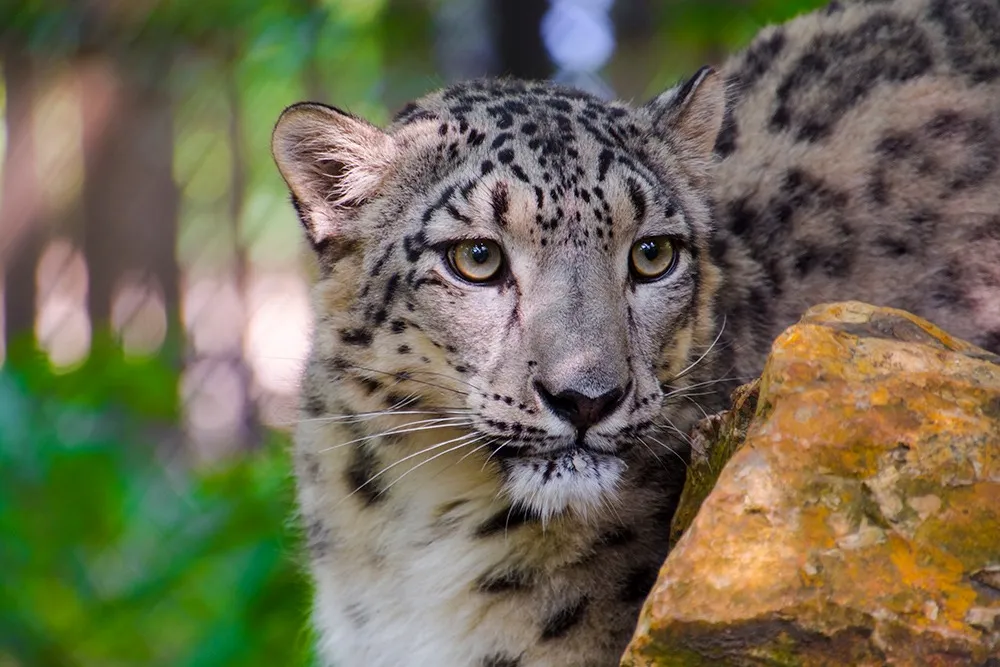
(278, 330)
(63, 326)
(215, 395)
(210, 308)
(139, 317)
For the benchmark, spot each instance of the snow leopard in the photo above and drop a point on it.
(527, 295)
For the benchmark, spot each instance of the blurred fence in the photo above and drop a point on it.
(140, 214)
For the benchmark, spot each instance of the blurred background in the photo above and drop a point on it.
(154, 286)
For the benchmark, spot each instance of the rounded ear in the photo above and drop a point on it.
(690, 115)
(332, 162)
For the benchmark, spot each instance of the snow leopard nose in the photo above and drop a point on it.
(578, 409)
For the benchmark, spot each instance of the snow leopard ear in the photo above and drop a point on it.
(333, 163)
(691, 113)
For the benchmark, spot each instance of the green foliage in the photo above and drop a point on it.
(115, 555)
(106, 380)
(68, 25)
(692, 33)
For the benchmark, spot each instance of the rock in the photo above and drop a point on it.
(859, 524)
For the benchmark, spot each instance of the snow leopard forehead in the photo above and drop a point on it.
(578, 161)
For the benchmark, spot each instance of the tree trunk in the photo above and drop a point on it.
(22, 212)
(249, 435)
(519, 39)
(130, 199)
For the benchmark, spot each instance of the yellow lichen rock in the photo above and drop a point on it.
(859, 524)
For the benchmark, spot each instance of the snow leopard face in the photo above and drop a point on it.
(528, 260)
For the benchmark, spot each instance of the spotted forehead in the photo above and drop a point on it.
(560, 143)
(551, 120)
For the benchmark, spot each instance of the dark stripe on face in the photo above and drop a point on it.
(503, 582)
(604, 163)
(383, 258)
(359, 337)
(439, 204)
(456, 214)
(313, 404)
(501, 660)
(364, 466)
(638, 199)
(391, 290)
(500, 203)
(564, 620)
(414, 245)
(504, 520)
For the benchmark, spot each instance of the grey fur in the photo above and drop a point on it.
(850, 154)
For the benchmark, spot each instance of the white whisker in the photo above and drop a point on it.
(475, 439)
(608, 501)
(449, 422)
(478, 449)
(493, 453)
(706, 383)
(697, 361)
(368, 416)
(684, 394)
(448, 377)
(650, 450)
(506, 524)
(411, 456)
(405, 401)
(404, 376)
(668, 447)
(696, 404)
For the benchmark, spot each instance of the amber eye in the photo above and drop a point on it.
(476, 260)
(652, 257)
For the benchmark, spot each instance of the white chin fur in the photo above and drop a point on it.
(577, 481)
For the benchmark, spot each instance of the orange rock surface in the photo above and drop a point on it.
(859, 524)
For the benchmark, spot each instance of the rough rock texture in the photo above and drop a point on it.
(859, 524)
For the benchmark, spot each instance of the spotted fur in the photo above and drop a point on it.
(455, 515)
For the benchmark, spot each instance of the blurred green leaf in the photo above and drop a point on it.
(115, 557)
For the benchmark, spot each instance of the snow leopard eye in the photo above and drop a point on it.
(476, 260)
(652, 257)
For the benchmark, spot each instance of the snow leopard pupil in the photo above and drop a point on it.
(480, 253)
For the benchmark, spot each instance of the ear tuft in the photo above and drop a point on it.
(692, 113)
(332, 161)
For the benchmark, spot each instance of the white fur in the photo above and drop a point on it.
(366, 158)
(307, 137)
(410, 576)
(582, 483)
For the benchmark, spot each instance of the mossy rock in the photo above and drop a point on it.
(858, 523)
